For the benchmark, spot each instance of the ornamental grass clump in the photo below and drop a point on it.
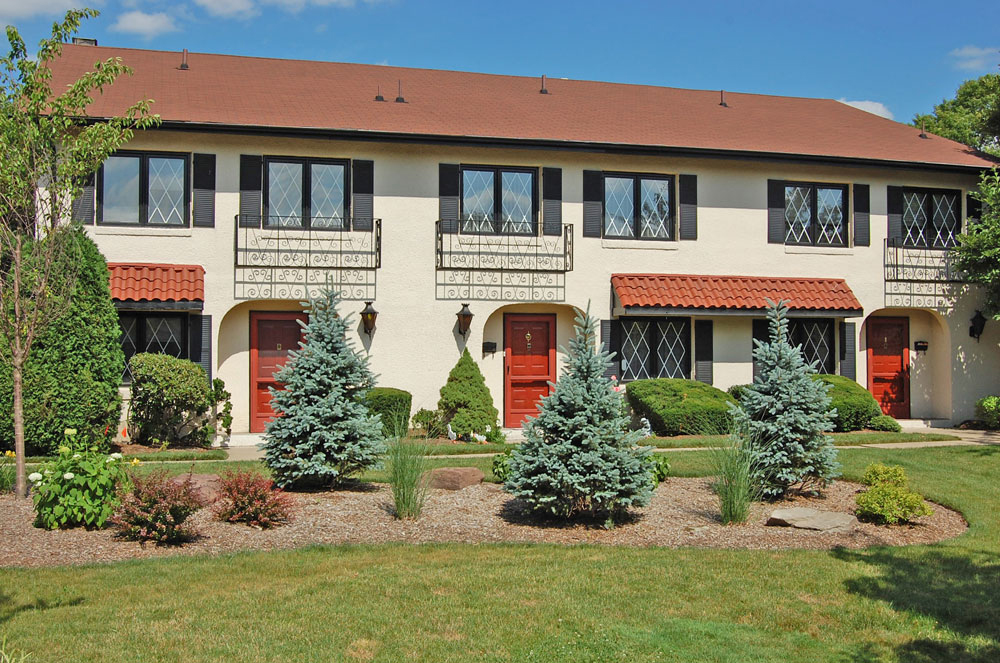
(736, 477)
(252, 498)
(155, 508)
(579, 457)
(408, 477)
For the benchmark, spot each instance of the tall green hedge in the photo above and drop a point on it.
(75, 366)
(855, 405)
(675, 406)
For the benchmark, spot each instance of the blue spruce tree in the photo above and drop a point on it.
(785, 414)
(323, 433)
(578, 457)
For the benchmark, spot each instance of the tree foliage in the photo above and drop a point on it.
(977, 253)
(972, 117)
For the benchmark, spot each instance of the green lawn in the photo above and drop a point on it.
(840, 439)
(544, 603)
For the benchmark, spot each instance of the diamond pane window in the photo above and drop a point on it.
(655, 348)
(931, 219)
(815, 338)
(654, 216)
(327, 196)
(671, 349)
(635, 354)
(798, 214)
(516, 203)
(284, 194)
(829, 216)
(619, 206)
(637, 207)
(159, 333)
(137, 188)
(498, 200)
(129, 341)
(166, 191)
(815, 214)
(121, 187)
(478, 188)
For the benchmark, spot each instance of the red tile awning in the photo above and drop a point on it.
(637, 292)
(150, 282)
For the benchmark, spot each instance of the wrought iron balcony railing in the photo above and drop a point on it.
(919, 265)
(494, 252)
(281, 259)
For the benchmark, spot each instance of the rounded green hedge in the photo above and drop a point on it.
(885, 423)
(394, 406)
(676, 406)
(855, 405)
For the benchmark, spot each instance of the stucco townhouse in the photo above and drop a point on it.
(458, 210)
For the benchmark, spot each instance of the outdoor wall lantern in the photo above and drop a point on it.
(464, 320)
(368, 317)
(920, 346)
(977, 326)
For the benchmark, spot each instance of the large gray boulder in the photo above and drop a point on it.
(814, 519)
(455, 478)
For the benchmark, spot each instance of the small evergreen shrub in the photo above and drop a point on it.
(659, 467)
(854, 405)
(889, 500)
(408, 478)
(252, 498)
(737, 391)
(786, 414)
(171, 398)
(988, 409)
(393, 405)
(501, 465)
(466, 402)
(323, 434)
(429, 423)
(155, 508)
(878, 474)
(885, 423)
(78, 488)
(578, 456)
(675, 406)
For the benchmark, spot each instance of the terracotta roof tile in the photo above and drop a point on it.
(692, 291)
(146, 282)
(242, 91)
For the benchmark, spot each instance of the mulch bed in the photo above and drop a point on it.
(683, 512)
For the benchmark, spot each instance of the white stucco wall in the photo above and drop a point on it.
(415, 344)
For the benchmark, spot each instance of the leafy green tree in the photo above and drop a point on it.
(49, 147)
(785, 414)
(972, 117)
(466, 402)
(578, 457)
(977, 253)
(323, 433)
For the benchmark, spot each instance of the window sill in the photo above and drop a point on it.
(142, 231)
(657, 244)
(820, 250)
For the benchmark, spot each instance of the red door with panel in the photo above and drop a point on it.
(272, 335)
(889, 364)
(529, 364)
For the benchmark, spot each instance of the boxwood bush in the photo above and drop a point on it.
(884, 422)
(675, 406)
(394, 407)
(855, 405)
(170, 400)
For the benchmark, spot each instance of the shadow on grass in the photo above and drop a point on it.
(960, 591)
(10, 609)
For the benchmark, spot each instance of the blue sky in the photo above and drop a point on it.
(897, 58)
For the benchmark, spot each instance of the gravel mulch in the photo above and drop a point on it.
(683, 512)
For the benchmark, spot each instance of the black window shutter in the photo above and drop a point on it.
(688, 197)
(894, 210)
(703, 351)
(848, 350)
(82, 210)
(593, 203)
(363, 194)
(204, 190)
(973, 208)
(200, 342)
(251, 180)
(448, 194)
(862, 209)
(552, 201)
(686, 343)
(761, 332)
(611, 341)
(775, 212)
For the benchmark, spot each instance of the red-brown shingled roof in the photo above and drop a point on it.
(294, 94)
(147, 282)
(692, 291)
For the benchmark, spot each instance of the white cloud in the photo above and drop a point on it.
(11, 10)
(976, 58)
(873, 107)
(229, 8)
(145, 25)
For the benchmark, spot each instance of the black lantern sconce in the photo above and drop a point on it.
(464, 320)
(978, 325)
(368, 317)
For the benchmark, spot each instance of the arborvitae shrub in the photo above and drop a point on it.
(393, 406)
(76, 363)
(323, 432)
(787, 413)
(578, 456)
(675, 406)
(466, 402)
(171, 399)
(855, 406)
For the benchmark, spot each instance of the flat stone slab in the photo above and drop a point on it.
(455, 478)
(814, 519)
(206, 487)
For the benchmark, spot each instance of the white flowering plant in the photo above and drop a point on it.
(78, 488)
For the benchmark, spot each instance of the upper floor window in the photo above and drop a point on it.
(815, 214)
(655, 348)
(144, 188)
(931, 219)
(305, 193)
(500, 200)
(638, 206)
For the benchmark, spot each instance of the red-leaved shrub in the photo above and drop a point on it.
(252, 498)
(154, 508)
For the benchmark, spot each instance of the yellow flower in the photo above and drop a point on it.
(9, 454)
(136, 461)
(69, 431)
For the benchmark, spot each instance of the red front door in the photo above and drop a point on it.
(272, 335)
(530, 364)
(889, 364)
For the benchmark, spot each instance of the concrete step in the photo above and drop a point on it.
(924, 423)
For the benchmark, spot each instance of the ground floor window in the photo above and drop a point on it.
(156, 332)
(655, 348)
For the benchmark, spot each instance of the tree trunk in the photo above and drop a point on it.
(21, 489)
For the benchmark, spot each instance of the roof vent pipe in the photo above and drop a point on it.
(544, 89)
(722, 99)
(184, 60)
(923, 134)
(378, 94)
(399, 97)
